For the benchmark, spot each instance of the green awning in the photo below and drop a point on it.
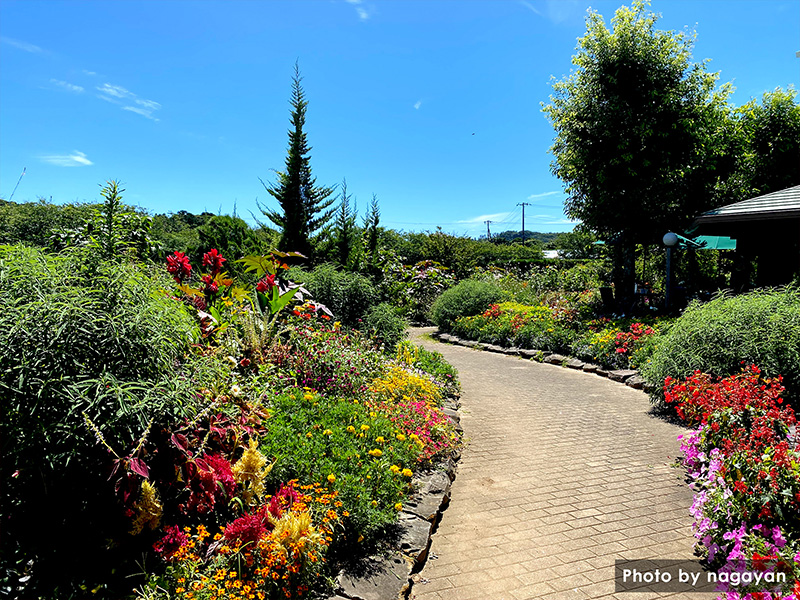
(715, 242)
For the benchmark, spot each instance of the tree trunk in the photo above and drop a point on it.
(624, 274)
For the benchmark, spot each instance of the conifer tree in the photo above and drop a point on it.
(345, 227)
(304, 206)
(371, 221)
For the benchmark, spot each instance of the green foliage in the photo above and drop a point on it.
(345, 230)
(383, 324)
(297, 439)
(762, 328)
(347, 295)
(33, 223)
(112, 229)
(304, 206)
(465, 299)
(371, 234)
(637, 125)
(231, 236)
(107, 342)
(764, 143)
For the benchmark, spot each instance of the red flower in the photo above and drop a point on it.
(174, 539)
(211, 286)
(178, 266)
(213, 261)
(265, 284)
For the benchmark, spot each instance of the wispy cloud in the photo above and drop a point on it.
(76, 159)
(114, 90)
(417, 104)
(530, 6)
(89, 73)
(361, 9)
(484, 218)
(556, 11)
(117, 94)
(64, 85)
(141, 111)
(21, 45)
(543, 195)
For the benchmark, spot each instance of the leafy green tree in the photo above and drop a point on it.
(636, 140)
(231, 236)
(304, 206)
(770, 157)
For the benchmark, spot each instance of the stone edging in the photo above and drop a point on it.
(392, 577)
(629, 377)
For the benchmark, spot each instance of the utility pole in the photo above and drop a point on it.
(523, 205)
(488, 233)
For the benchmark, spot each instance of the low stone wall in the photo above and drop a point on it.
(391, 577)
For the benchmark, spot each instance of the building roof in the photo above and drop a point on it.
(783, 204)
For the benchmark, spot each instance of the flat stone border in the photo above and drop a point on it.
(391, 577)
(629, 377)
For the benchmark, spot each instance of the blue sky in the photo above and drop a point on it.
(435, 107)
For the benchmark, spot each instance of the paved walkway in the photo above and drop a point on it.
(562, 473)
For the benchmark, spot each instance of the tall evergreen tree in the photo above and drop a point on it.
(345, 227)
(304, 206)
(371, 221)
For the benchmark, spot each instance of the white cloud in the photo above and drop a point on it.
(117, 94)
(76, 159)
(67, 86)
(483, 218)
(141, 111)
(417, 104)
(21, 45)
(115, 90)
(361, 10)
(542, 195)
(89, 73)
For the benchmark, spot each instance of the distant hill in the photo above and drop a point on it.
(509, 236)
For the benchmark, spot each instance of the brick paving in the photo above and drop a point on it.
(562, 473)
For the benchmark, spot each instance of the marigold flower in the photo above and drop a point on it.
(351, 429)
(398, 506)
(380, 439)
(407, 472)
(394, 469)
(332, 478)
(376, 453)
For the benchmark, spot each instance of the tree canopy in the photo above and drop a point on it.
(636, 126)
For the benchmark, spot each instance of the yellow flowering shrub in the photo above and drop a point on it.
(399, 384)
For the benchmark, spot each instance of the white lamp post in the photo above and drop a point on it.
(670, 241)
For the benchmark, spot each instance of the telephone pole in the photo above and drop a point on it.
(488, 233)
(523, 205)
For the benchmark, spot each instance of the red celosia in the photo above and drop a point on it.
(173, 540)
(265, 284)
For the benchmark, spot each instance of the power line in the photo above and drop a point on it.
(523, 205)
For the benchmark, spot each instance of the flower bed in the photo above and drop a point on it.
(251, 479)
(744, 465)
(560, 327)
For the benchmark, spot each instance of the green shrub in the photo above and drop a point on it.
(348, 295)
(762, 328)
(106, 341)
(465, 299)
(382, 324)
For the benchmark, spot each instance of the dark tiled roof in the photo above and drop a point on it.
(783, 204)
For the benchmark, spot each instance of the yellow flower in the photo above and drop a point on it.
(327, 432)
(351, 429)
(401, 437)
(414, 436)
(308, 396)
(332, 478)
(408, 472)
(374, 503)
(365, 428)
(394, 469)
(398, 506)
(380, 439)
(250, 472)
(147, 508)
(376, 453)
